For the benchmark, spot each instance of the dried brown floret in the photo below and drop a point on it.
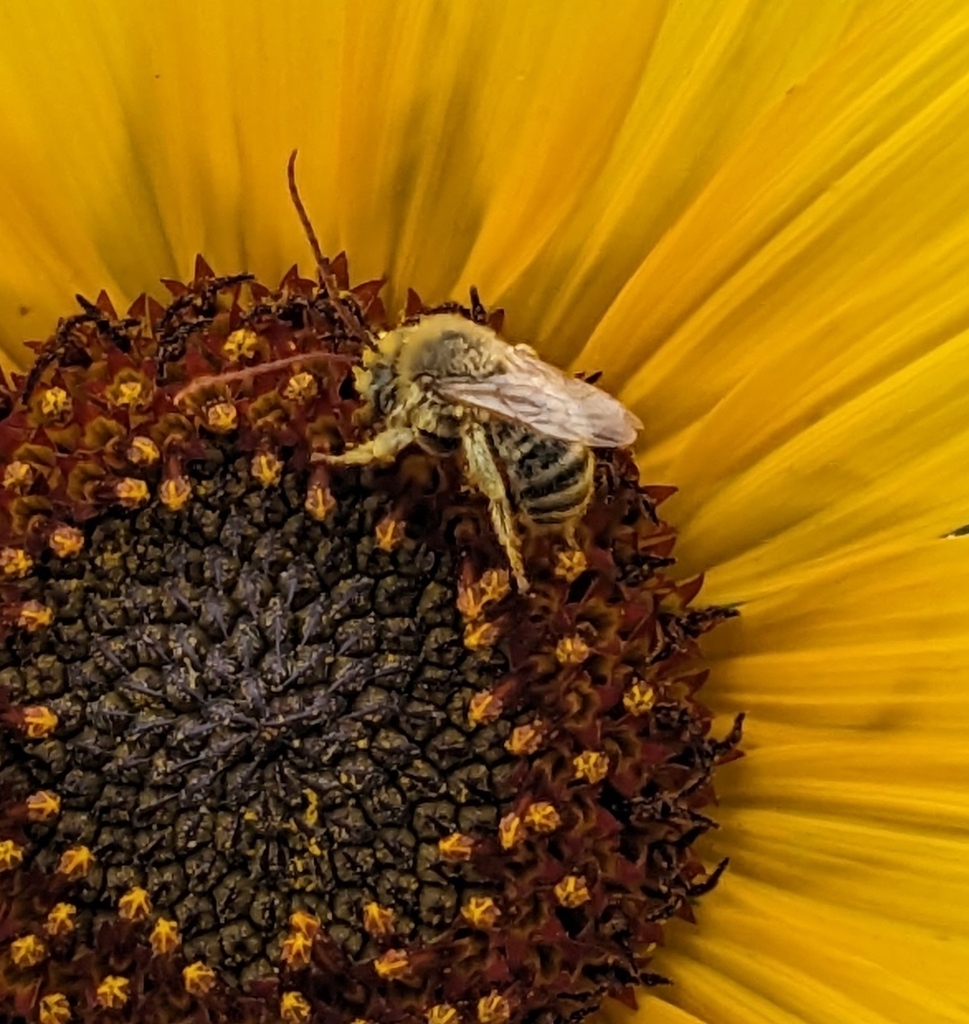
(278, 743)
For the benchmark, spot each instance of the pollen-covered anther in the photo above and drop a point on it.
(542, 817)
(570, 564)
(221, 417)
(134, 905)
(54, 1009)
(296, 950)
(301, 387)
(18, 476)
(494, 1009)
(456, 847)
(66, 541)
(481, 912)
(174, 493)
(11, 855)
(15, 563)
(484, 708)
(304, 923)
(639, 698)
(113, 992)
(142, 451)
(443, 1013)
(76, 862)
(572, 892)
(55, 403)
(591, 765)
(572, 650)
(38, 721)
(34, 616)
(377, 920)
(164, 937)
(43, 806)
(267, 469)
(198, 978)
(511, 831)
(319, 502)
(393, 964)
(131, 492)
(28, 951)
(61, 919)
(480, 635)
(132, 393)
(294, 1008)
(525, 739)
(241, 344)
(389, 533)
(473, 598)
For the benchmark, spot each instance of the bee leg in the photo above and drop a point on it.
(484, 474)
(382, 448)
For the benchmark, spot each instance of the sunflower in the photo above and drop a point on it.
(227, 666)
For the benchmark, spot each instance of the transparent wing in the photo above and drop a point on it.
(531, 392)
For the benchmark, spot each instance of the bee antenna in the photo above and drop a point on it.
(304, 218)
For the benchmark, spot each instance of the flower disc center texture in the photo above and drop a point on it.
(282, 743)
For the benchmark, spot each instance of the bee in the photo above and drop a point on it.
(523, 429)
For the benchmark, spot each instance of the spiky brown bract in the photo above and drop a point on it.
(176, 566)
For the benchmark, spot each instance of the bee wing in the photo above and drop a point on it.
(531, 392)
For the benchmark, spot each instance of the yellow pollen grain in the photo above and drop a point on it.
(294, 1008)
(319, 502)
(61, 920)
(66, 541)
(241, 344)
(304, 923)
(542, 817)
(570, 564)
(174, 493)
(18, 476)
(28, 951)
(198, 978)
(525, 739)
(480, 635)
(15, 563)
(572, 891)
(389, 533)
(143, 451)
(164, 936)
(222, 417)
(312, 813)
(481, 912)
(301, 387)
(43, 806)
(639, 698)
(54, 403)
(134, 905)
(392, 964)
(456, 847)
(378, 920)
(54, 1009)
(131, 492)
(34, 616)
(11, 855)
(591, 765)
(494, 1009)
(571, 650)
(511, 831)
(129, 392)
(484, 707)
(267, 469)
(112, 993)
(443, 1013)
(38, 721)
(76, 862)
(296, 950)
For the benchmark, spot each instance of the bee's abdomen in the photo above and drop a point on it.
(551, 480)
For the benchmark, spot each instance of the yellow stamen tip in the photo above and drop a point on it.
(134, 905)
(112, 993)
(131, 492)
(294, 1008)
(54, 1009)
(61, 920)
(572, 891)
(494, 1009)
(164, 937)
(28, 951)
(456, 847)
(43, 806)
(76, 862)
(392, 964)
(378, 920)
(198, 978)
(639, 698)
